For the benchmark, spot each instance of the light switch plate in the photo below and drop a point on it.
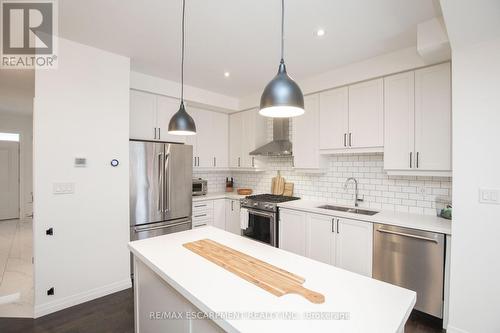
(64, 188)
(489, 196)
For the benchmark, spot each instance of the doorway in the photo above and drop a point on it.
(9, 176)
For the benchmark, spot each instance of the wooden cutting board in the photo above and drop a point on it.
(288, 191)
(266, 276)
(278, 184)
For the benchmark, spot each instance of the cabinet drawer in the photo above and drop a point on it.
(203, 206)
(207, 215)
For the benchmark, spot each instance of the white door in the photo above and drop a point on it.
(399, 129)
(353, 246)
(292, 231)
(165, 109)
(233, 216)
(9, 180)
(219, 139)
(366, 114)
(143, 116)
(333, 119)
(433, 118)
(235, 139)
(306, 135)
(321, 238)
(219, 215)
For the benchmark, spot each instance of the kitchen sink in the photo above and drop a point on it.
(349, 210)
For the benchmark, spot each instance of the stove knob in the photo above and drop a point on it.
(255, 204)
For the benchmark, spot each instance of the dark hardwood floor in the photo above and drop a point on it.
(115, 314)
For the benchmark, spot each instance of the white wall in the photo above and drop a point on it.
(474, 30)
(195, 95)
(385, 64)
(81, 109)
(22, 124)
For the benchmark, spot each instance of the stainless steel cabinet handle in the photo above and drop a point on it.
(411, 157)
(338, 231)
(155, 133)
(215, 161)
(345, 139)
(404, 234)
(200, 215)
(159, 133)
(350, 139)
(232, 206)
(418, 153)
(239, 164)
(333, 223)
(200, 206)
(253, 161)
(200, 225)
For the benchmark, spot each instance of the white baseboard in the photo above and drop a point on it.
(451, 329)
(66, 302)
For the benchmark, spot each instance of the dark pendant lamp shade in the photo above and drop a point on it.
(282, 97)
(181, 123)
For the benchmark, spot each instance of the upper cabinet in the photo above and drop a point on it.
(352, 118)
(150, 115)
(418, 122)
(247, 131)
(306, 138)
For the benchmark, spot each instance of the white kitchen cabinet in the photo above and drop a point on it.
(399, 142)
(320, 238)
(203, 213)
(433, 118)
(418, 122)
(366, 114)
(352, 118)
(341, 242)
(248, 131)
(354, 246)
(233, 216)
(142, 115)
(292, 231)
(150, 115)
(219, 215)
(333, 119)
(210, 144)
(305, 137)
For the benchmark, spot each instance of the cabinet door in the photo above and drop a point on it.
(399, 129)
(292, 231)
(219, 215)
(235, 139)
(254, 135)
(306, 135)
(333, 119)
(320, 238)
(142, 115)
(233, 216)
(366, 114)
(219, 141)
(204, 137)
(433, 118)
(354, 246)
(165, 109)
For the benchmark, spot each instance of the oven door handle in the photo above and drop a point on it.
(259, 213)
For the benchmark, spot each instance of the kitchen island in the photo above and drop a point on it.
(177, 290)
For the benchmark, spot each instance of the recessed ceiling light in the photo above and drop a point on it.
(227, 74)
(320, 32)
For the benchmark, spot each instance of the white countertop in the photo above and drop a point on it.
(218, 195)
(373, 306)
(415, 221)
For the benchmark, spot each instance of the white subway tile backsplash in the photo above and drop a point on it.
(420, 195)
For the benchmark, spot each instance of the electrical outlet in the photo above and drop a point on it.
(489, 196)
(64, 188)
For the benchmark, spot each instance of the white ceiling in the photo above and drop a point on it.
(17, 89)
(242, 36)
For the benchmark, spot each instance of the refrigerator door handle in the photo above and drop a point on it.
(160, 181)
(167, 188)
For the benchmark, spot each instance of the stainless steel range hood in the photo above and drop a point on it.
(281, 145)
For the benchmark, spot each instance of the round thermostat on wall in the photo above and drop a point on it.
(114, 163)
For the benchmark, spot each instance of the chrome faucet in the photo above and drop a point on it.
(356, 193)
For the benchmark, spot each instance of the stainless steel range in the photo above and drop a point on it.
(263, 217)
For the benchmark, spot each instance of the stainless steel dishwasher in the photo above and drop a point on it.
(411, 259)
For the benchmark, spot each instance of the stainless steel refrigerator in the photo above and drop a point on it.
(160, 188)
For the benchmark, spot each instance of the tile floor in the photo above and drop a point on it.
(16, 268)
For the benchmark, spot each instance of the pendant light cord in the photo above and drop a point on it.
(282, 30)
(182, 51)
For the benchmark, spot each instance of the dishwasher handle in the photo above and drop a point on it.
(405, 234)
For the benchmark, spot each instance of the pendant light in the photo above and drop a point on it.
(181, 122)
(282, 97)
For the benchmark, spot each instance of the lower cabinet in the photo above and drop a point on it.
(341, 242)
(233, 216)
(219, 220)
